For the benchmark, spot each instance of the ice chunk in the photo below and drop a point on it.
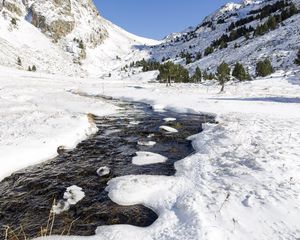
(103, 171)
(169, 129)
(74, 194)
(169, 119)
(146, 143)
(145, 158)
(61, 206)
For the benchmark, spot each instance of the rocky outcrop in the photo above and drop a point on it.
(61, 20)
(12, 6)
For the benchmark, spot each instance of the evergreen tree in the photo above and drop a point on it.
(264, 68)
(197, 77)
(223, 44)
(240, 73)
(293, 9)
(223, 73)
(19, 61)
(198, 56)
(297, 60)
(33, 68)
(29, 69)
(208, 51)
(272, 23)
(13, 21)
(188, 58)
(81, 45)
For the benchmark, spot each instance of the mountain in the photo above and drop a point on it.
(245, 32)
(62, 36)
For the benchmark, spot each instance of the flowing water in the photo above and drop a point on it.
(26, 197)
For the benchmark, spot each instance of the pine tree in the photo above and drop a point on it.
(81, 45)
(198, 56)
(264, 68)
(19, 61)
(33, 68)
(293, 9)
(223, 73)
(297, 60)
(272, 24)
(197, 77)
(240, 73)
(29, 69)
(208, 51)
(13, 21)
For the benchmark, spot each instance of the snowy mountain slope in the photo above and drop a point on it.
(280, 45)
(61, 36)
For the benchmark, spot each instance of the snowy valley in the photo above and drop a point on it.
(242, 179)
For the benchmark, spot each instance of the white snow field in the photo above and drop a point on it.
(243, 182)
(40, 113)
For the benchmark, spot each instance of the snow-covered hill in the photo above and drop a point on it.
(279, 44)
(62, 37)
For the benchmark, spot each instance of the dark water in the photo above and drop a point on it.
(26, 197)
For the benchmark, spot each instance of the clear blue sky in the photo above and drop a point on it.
(157, 18)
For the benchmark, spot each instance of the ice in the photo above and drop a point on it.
(146, 158)
(103, 171)
(169, 129)
(146, 143)
(169, 119)
(72, 196)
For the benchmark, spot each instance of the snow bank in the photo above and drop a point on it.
(39, 113)
(243, 180)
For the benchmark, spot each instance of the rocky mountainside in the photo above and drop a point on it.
(245, 32)
(59, 36)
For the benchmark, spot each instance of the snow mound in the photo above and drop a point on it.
(169, 129)
(146, 143)
(146, 158)
(72, 196)
(103, 171)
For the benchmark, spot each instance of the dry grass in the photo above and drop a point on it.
(19, 233)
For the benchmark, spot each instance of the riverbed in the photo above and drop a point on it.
(26, 197)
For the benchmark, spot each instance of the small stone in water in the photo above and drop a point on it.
(103, 171)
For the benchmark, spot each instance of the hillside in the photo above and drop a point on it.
(236, 32)
(62, 37)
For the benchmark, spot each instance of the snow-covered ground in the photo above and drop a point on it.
(39, 113)
(243, 182)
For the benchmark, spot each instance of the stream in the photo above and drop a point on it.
(26, 197)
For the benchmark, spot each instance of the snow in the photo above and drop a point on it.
(40, 113)
(169, 119)
(168, 129)
(72, 196)
(146, 158)
(241, 183)
(243, 180)
(146, 143)
(280, 45)
(103, 171)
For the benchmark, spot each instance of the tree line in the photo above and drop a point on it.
(223, 73)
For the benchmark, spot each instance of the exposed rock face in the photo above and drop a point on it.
(54, 17)
(62, 20)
